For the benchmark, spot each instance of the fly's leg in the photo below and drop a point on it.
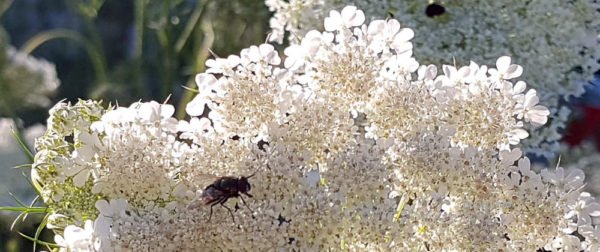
(220, 200)
(245, 204)
(228, 209)
(210, 215)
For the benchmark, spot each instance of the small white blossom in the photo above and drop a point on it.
(565, 180)
(504, 70)
(297, 17)
(349, 17)
(106, 225)
(592, 237)
(531, 111)
(79, 239)
(585, 208)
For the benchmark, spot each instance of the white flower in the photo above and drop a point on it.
(105, 226)
(350, 16)
(567, 181)
(323, 142)
(504, 70)
(220, 65)
(554, 49)
(391, 34)
(296, 54)
(264, 52)
(510, 156)
(297, 17)
(118, 115)
(516, 135)
(191, 129)
(592, 237)
(79, 239)
(564, 242)
(207, 83)
(154, 111)
(584, 209)
(531, 111)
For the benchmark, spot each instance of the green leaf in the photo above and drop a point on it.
(47, 244)
(21, 216)
(22, 166)
(17, 200)
(25, 209)
(399, 209)
(323, 181)
(190, 89)
(343, 244)
(17, 135)
(36, 186)
(40, 228)
(34, 201)
(31, 206)
(189, 27)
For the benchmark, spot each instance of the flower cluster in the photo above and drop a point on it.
(25, 81)
(348, 144)
(584, 157)
(297, 17)
(554, 40)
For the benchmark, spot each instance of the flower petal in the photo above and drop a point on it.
(502, 64)
(333, 22)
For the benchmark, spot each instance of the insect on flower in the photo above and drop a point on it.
(222, 189)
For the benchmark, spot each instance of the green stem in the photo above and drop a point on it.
(39, 229)
(17, 131)
(47, 244)
(201, 56)
(399, 209)
(25, 209)
(18, 135)
(140, 7)
(173, 51)
(168, 67)
(189, 27)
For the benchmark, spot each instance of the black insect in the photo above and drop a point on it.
(434, 10)
(224, 188)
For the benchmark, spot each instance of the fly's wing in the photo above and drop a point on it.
(211, 194)
(208, 194)
(203, 180)
(207, 197)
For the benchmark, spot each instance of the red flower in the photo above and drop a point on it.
(586, 127)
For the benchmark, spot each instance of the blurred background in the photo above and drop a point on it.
(117, 51)
(121, 51)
